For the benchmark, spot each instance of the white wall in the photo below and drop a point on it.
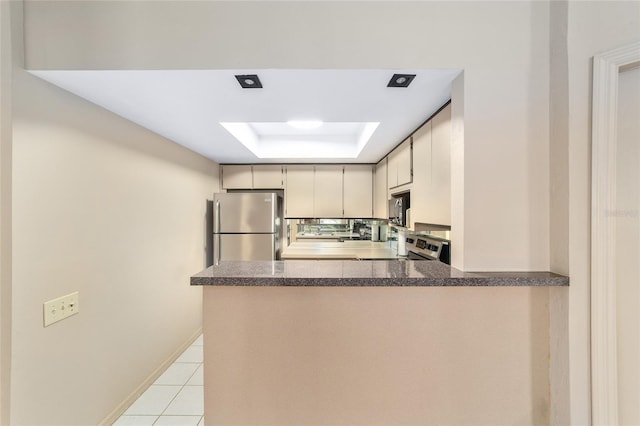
(592, 27)
(559, 211)
(457, 169)
(628, 247)
(5, 210)
(503, 48)
(559, 138)
(109, 209)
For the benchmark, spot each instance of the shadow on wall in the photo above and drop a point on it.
(133, 137)
(208, 239)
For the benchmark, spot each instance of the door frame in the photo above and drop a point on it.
(604, 367)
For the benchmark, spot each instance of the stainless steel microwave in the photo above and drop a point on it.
(398, 206)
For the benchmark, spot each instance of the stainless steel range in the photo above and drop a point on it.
(428, 248)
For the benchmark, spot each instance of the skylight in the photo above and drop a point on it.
(303, 139)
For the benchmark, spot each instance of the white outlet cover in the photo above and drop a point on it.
(57, 309)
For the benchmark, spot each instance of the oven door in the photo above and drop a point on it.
(415, 256)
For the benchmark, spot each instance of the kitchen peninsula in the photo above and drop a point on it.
(328, 342)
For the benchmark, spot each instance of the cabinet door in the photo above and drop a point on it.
(267, 176)
(299, 191)
(358, 191)
(328, 191)
(380, 189)
(392, 169)
(421, 188)
(399, 165)
(404, 165)
(237, 176)
(441, 167)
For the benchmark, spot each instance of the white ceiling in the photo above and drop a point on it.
(187, 106)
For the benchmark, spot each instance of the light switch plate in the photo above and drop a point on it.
(60, 308)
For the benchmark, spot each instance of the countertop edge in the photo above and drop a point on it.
(423, 274)
(345, 282)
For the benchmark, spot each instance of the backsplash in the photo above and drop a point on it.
(339, 229)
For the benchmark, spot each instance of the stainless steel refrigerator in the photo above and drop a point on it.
(246, 226)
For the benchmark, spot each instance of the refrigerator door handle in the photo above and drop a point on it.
(217, 253)
(219, 256)
(216, 223)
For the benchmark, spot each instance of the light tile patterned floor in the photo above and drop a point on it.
(176, 398)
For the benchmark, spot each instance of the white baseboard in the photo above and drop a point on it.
(133, 396)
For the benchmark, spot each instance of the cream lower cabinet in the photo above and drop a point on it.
(299, 191)
(327, 194)
(358, 191)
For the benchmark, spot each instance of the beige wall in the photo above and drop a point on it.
(457, 169)
(559, 212)
(503, 48)
(591, 27)
(628, 247)
(5, 210)
(109, 209)
(508, 73)
(376, 356)
(559, 138)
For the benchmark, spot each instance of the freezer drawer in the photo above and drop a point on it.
(245, 213)
(245, 247)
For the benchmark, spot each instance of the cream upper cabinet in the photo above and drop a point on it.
(327, 198)
(405, 166)
(421, 175)
(441, 167)
(299, 191)
(318, 191)
(257, 176)
(267, 176)
(358, 191)
(431, 191)
(237, 176)
(392, 170)
(399, 165)
(380, 190)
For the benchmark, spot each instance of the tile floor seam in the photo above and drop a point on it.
(169, 404)
(164, 384)
(191, 377)
(194, 373)
(182, 387)
(173, 399)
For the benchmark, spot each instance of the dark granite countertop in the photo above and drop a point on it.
(350, 273)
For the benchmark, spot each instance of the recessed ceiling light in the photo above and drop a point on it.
(401, 80)
(249, 81)
(305, 124)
